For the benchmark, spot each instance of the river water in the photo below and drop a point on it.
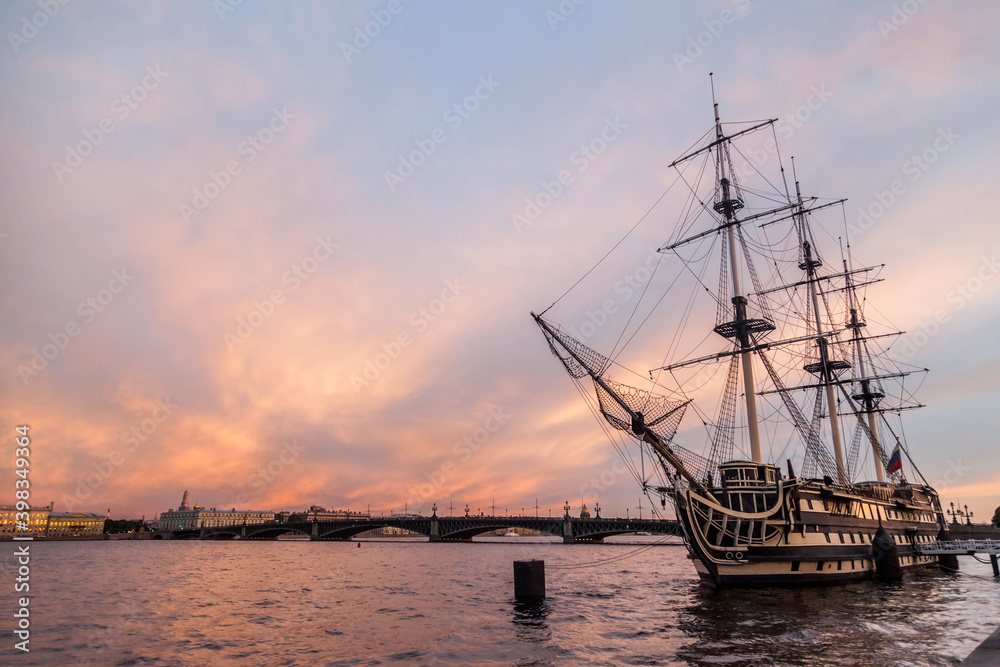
(406, 602)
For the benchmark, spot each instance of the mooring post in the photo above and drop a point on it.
(996, 568)
(529, 580)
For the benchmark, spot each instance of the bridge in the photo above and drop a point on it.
(964, 548)
(437, 529)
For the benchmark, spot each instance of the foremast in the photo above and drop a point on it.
(741, 326)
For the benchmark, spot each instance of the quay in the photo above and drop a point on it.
(986, 654)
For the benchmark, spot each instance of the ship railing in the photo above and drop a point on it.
(742, 532)
(966, 547)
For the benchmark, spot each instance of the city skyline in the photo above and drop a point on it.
(286, 254)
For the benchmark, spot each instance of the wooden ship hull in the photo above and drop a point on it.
(792, 532)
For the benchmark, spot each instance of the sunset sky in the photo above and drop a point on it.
(253, 251)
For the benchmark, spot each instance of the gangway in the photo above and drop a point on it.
(990, 548)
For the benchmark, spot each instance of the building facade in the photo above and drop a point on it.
(200, 517)
(74, 524)
(36, 525)
(186, 517)
(317, 513)
(43, 522)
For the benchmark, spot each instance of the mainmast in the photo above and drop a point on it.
(868, 397)
(826, 368)
(741, 327)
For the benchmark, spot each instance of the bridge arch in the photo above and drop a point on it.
(267, 532)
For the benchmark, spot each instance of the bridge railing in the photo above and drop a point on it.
(960, 547)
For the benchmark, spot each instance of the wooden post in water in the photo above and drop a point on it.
(529, 580)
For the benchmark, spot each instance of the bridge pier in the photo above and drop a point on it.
(568, 537)
(435, 535)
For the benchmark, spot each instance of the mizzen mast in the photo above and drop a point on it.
(868, 398)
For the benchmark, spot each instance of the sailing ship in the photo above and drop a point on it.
(798, 370)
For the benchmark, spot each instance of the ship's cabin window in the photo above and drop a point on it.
(827, 536)
(748, 474)
(795, 566)
(809, 503)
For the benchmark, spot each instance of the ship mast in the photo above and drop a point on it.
(826, 367)
(868, 398)
(741, 326)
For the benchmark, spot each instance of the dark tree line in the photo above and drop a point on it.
(121, 525)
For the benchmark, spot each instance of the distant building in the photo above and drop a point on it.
(317, 513)
(74, 524)
(37, 524)
(43, 522)
(200, 517)
(188, 518)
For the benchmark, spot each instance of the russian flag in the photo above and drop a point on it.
(895, 461)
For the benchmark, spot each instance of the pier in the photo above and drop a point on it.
(989, 548)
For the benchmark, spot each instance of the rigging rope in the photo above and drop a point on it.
(613, 559)
(613, 248)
